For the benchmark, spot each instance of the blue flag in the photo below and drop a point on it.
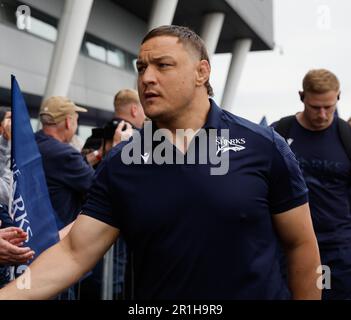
(31, 207)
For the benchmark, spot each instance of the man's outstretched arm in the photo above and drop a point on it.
(66, 262)
(295, 229)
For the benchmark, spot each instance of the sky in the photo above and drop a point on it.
(308, 34)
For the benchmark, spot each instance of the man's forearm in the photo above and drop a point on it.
(303, 262)
(65, 231)
(65, 263)
(49, 275)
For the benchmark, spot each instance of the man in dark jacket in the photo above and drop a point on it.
(68, 176)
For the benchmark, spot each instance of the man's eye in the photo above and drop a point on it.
(141, 69)
(163, 65)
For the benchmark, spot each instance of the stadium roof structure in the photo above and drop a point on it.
(243, 19)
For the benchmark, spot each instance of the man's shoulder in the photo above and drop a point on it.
(283, 122)
(343, 124)
(51, 146)
(43, 139)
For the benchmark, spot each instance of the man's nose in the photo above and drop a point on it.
(149, 75)
(323, 113)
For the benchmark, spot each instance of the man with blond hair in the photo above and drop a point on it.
(321, 143)
(128, 108)
(128, 114)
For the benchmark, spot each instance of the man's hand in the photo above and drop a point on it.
(11, 240)
(122, 135)
(94, 157)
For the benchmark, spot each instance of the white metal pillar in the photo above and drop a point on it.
(162, 13)
(108, 275)
(240, 50)
(211, 30)
(70, 35)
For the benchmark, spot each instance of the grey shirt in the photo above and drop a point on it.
(5, 172)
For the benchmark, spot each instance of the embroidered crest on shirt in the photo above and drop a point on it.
(224, 145)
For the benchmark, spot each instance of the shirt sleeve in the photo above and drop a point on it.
(75, 172)
(288, 189)
(99, 203)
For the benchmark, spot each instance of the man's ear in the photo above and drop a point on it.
(203, 73)
(68, 122)
(302, 96)
(134, 110)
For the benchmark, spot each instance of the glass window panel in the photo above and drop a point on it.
(95, 51)
(116, 58)
(42, 29)
(84, 132)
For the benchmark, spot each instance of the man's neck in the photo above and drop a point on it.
(194, 118)
(303, 121)
(54, 133)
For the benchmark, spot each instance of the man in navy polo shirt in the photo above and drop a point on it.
(314, 136)
(195, 233)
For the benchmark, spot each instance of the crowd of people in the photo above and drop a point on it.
(11, 238)
(261, 231)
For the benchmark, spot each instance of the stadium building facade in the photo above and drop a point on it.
(86, 49)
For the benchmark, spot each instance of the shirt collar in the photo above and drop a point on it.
(214, 117)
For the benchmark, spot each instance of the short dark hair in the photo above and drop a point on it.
(187, 37)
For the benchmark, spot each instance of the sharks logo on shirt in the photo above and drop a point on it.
(224, 145)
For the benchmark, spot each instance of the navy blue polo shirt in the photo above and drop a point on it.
(200, 236)
(67, 175)
(327, 171)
